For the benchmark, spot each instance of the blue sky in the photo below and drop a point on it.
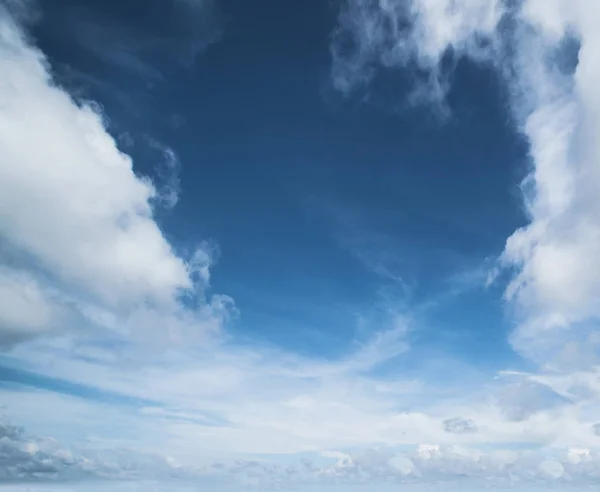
(318, 245)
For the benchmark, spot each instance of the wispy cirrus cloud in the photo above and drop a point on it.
(169, 34)
(250, 402)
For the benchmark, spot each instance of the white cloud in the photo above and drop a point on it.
(224, 401)
(556, 286)
(76, 204)
(298, 402)
(77, 213)
(373, 35)
(557, 283)
(30, 459)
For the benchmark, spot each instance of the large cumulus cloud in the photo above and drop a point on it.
(77, 226)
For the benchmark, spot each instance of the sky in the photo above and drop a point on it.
(321, 246)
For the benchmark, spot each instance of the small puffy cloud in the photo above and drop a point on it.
(459, 425)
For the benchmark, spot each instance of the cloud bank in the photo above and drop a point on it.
(31, 459)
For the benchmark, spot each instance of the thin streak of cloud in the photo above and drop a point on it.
(171, 33)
